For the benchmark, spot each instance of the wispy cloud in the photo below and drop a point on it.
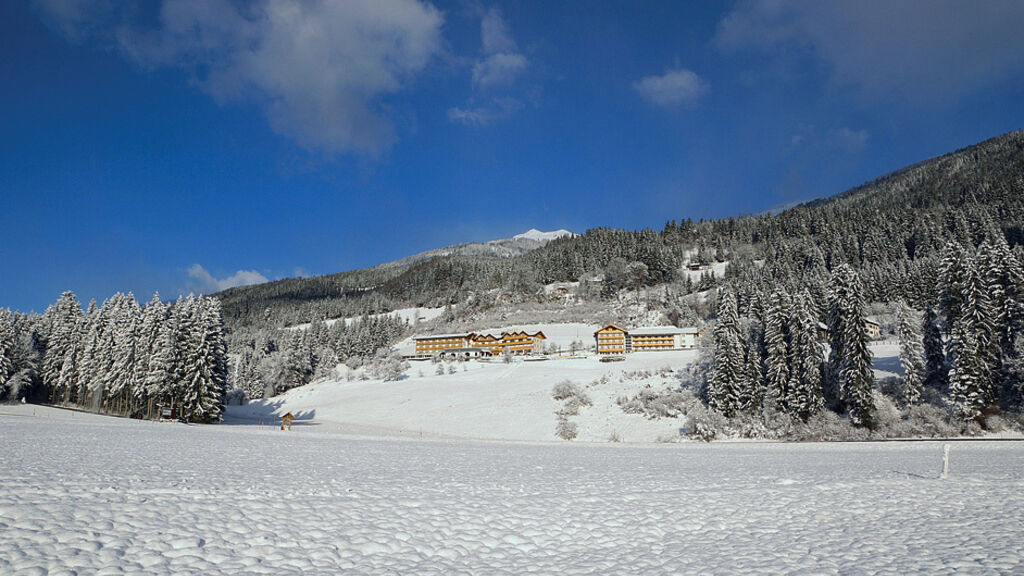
(318, 68)
(495, 74)
(929, 52)
(847, 140)
(501, 62)
(496, 109)
(207, 283)
(675, 88)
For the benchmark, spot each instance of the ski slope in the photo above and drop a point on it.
(85, 494)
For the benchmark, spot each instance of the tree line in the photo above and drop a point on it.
(783, 355)
(119, 357)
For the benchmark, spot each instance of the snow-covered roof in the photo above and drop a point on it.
(446, 336)
(662, 330)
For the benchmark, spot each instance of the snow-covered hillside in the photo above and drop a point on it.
(410, 315)
(491, 400)
(86, 494)
(503, 401)
(534, 234)
(500, 248)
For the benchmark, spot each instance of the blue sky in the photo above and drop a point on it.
(196, 144)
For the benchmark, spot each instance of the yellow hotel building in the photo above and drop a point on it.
(615, 340)
(516, 342)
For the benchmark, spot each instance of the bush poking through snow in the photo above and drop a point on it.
(564, 389)
(656, 404)
(706, 424)
(565, 429)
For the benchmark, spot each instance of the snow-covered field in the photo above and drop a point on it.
(84, 494)
(499, 401)
(485, 400)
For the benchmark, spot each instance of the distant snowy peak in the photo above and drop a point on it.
(534, 234)
(503, 248)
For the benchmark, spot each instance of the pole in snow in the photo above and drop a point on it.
(945, 462)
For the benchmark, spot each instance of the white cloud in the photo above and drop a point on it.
(495, 73)
(678, 87)
(498, 69)
(494, 34)
(914, 51)
(501, 62)
(496, 109)
(207, 283)
(847, 140)
(318, 68)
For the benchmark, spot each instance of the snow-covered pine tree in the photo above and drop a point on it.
(6, 350)
(153, 316)
(850, 358)
(911, 352)
(297, 367)
(204, 369)
(63, 321)
(951, 279)
(973, 370)
(728, 375)
(777, 341)
(935, 370)
(754, 355)
(95, 357)
(161, 377)
(123, 333)
(804, 396)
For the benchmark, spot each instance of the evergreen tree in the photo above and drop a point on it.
(951, 280)
(804, 396)
(911, 353)
(850, 359)
(160, 373)
(777, 340)
(728, 375)
(936, 370)
(63, 321)
(7, 344)
(204, 370)
(754, 356)
(974, 365)
(154, 315)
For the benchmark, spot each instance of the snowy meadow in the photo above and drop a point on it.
(86, 494)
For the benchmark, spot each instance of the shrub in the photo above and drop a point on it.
(658, 403)
(565, 429)
(705, 424)
(564, 389)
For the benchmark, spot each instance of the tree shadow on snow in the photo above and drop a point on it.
(267, 412)
(889, 364)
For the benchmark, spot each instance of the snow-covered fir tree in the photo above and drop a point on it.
(911, 352)
(6, 350)
(804, 394)
(850, 372)
(63, 324)
(936, 371)
(972, 346)
(204, 362)
(728, 379)
(777, 341)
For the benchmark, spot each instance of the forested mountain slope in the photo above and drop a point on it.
(890, 229)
